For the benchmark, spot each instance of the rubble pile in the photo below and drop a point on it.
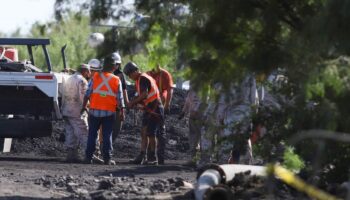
(47, 146)
(109, 187)
(246, 186)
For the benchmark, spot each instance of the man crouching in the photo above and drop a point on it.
(153, 116)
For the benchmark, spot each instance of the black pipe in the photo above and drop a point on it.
(64, 56)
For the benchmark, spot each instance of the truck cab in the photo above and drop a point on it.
(29, 95)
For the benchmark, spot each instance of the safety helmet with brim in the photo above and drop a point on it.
(116, 57)
(95, 64)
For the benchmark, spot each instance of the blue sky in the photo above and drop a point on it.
(23, 13)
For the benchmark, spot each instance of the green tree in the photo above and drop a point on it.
(222, 41)
(73, 30)
(145, 42)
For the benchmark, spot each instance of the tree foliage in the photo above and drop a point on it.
(142, 40)
(73, 31)
(221, 41)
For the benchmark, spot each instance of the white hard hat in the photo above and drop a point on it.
(116, 57)
(95, 64)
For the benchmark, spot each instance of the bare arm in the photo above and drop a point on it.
(120, 99)
(168, 98)
(87, 96)
(126, 98)
(138, 99)
(169, 86)
(120, 96)
(84, 108)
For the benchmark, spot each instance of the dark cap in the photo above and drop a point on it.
(129, 68)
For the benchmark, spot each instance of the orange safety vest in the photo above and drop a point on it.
(104, 91)
(153, 94)
(158, 77)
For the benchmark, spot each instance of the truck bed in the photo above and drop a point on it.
(28, 102)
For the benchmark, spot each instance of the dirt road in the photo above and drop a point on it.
(35, 168)
(31, 177)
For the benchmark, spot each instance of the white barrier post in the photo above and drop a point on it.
(7, 145)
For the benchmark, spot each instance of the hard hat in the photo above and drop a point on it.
(129, 68)
(95, 64)
(116, 57)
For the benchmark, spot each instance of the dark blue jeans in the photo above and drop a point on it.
(107, 129)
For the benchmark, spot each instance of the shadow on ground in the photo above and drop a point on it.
(146, 170)
(29, 159)
(30, 198)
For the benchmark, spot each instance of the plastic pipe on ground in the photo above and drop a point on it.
(209, 181)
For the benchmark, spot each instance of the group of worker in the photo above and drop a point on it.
(222, 131)
(94, 100)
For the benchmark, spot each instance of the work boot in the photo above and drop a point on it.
(152, 158)
(160, 157)
(140, 159)
(109, 162)
(97, 160)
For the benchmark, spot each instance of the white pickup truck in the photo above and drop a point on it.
(29, 97)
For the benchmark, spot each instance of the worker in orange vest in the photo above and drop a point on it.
(165, 84)
(153, 116)
(95, 67)
(106, 97)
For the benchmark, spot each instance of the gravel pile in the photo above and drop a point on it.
(109, 187)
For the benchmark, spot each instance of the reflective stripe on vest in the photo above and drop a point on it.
(104, 82)
(104, 92)
(153, 94)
